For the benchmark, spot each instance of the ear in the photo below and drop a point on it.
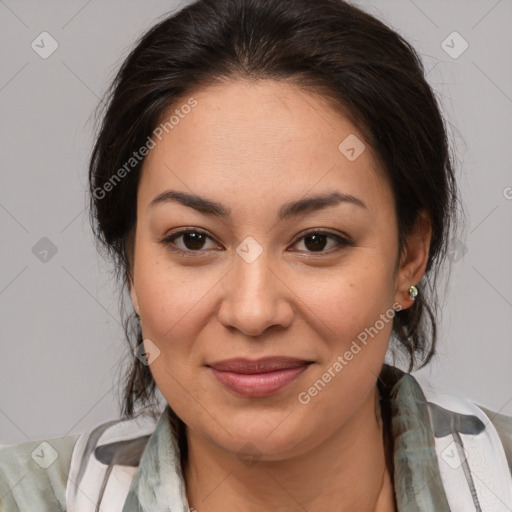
(413, 259)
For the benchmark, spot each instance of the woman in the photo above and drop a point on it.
(274, 184)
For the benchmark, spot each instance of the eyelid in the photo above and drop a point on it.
(339, 236)
(341, 239)
(166, 241)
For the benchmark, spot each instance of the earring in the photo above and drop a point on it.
(137, 317)
(413, 292)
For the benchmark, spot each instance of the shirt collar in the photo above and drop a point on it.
(417, 479)
(158, 483)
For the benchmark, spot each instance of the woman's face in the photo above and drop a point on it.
(251, 282)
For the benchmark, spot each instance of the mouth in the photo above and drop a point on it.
(258, 378)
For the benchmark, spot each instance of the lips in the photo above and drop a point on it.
(264, 365)
(259, 377)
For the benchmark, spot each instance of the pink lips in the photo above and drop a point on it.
(257, 378)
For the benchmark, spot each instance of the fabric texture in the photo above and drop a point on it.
(448, 455)
(33, 475)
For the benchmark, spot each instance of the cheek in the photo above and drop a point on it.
(354, 319)
(171, 297)
(351, 297)
(173, 316)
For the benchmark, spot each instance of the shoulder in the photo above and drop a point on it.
(486, 429)
(33, 474)
(472, 444)
(55, 475)
(503, 426)
(105, 460)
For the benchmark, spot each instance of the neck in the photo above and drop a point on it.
(346, 472)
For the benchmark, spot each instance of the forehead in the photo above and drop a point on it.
(266, 137)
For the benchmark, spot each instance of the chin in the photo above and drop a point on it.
(251, 438)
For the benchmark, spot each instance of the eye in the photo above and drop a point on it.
(194, 240)
(316, 241)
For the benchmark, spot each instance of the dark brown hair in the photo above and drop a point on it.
(368, 71)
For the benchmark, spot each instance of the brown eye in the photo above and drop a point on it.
(316, 242)
(193, 241)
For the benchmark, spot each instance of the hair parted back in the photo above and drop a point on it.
(331, 47)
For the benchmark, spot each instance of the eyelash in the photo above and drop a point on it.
(167, 242)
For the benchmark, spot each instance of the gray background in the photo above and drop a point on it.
(61, 341)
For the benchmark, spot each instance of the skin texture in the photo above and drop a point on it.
(254, 146)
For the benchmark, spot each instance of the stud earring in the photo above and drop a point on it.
(413, 292)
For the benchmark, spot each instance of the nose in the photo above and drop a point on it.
(255, 297)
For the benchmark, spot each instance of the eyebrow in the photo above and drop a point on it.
(287, 210)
